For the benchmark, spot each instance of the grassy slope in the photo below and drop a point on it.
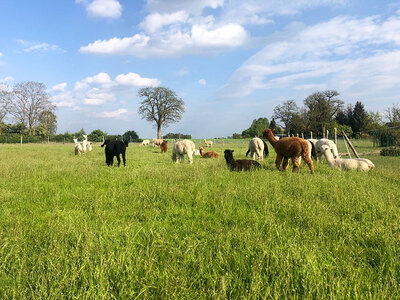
(72, 227)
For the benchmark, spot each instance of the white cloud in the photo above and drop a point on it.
(37, 47)
(203, 38)
(347, 53)
(155, 21)
(7, 79)
(1, 54)
(113, 114)
(135, 80)
(109, 9)
(191, 6)
(98, 96)
(202, 82)
(182, 72)
(61, 87)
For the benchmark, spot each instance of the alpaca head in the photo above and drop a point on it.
(267, 132)
(228, 154)
(75, 141)
(328, 151)
(84, 136)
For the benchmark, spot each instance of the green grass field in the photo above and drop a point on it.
(71, 227)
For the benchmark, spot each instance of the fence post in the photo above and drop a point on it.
(335, 136)
(48, 140)
(327, 134)
(21, 139)
(351, 146)
(311, 134)
(302, 136)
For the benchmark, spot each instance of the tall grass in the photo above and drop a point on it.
(71, 227)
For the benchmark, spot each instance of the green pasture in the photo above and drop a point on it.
(73, 228)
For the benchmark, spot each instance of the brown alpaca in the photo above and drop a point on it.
(289, 148)
(209, 154)
(164, 146)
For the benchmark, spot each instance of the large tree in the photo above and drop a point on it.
(28, 101)
(256, 128)
(48, 122)
(286, 113)
(360, 119)
(160, 105)
(322, 107)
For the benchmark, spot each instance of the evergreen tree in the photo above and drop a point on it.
(360, 118)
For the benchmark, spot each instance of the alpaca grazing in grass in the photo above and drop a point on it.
(164, 146)
(157, 142)
(208, 143)
(145, 143)
(240, 164)
(289, 148)
(330, 144)
(181, 148)
(209, 154)
(257, 147)
(347, 164)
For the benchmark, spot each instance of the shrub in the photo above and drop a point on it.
(390, 152)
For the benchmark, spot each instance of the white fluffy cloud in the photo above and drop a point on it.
(109, 9)
(61, 87)
(156, 21)
(113, 114)
(203, 38)
(100, 89)
(348, 53)
(202, 82)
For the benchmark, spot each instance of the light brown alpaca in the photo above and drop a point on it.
(209, 154)
(289, 148)
(208, 143)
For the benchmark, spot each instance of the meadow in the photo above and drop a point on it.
(71, 227)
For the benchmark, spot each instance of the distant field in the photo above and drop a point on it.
(71, 227)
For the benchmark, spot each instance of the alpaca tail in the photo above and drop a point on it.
(313, 151)
(247, 153)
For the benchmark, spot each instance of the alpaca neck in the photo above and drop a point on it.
(202, 152)
(330, 159)
(271, 138)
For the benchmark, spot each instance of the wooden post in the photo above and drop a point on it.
(327, 134)
(297, 135)
(302, 136)
(21, 139)
(335, 136)
(323, 131)
(48, 140)
(311, 134)
(351, 146)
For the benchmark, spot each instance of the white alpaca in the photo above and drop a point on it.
(145, 143)
(330, 144)
(84, 142)
(78, 147)
(181, 148)
(359, 164)
(157, 142)
(309, 152)
(256, 147)
(208, 143)
(196, 152)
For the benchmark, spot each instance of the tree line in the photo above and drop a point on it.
(323, 111)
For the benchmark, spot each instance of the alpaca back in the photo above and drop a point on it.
(291, 147)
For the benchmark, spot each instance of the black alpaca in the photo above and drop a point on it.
(115, 148)
(240, 164)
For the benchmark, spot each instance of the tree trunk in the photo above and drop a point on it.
(158, 131)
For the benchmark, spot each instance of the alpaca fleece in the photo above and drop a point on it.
(180, 149)
(240, 164)
(289, 148)
(209, 154)
(257, 147)
(115, 148)
(164, 146)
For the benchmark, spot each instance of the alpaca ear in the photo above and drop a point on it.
(273, 129)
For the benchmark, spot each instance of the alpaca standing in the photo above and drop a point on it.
(348, 164)
(257, 146)
(164, 146)
(208, 143)
(157, 142)
(240, 164)
(289, 148)
(84, 142)
(180, 149)
(78, 147)
(115, 148)
(145, 143)
(209, 154)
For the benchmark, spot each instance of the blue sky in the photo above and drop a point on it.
(231, 61)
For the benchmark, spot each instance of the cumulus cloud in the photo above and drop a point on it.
(113, 114)
(61, 87)
(156, 21)
(99, 89)
(109, 9)
(202, 82)
(350, 53)
(203, 38)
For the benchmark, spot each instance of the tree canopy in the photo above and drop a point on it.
(256, 128)
(161, 106)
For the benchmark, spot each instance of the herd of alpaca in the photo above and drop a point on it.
(286, 148)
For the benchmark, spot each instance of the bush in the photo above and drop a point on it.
(390, 152)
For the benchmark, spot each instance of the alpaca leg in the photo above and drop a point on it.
(296, 163)
(278, 161)
(260, 156)
(253, 155)
(285, 163)
(309, 162)
(190, 157)
(123, 158)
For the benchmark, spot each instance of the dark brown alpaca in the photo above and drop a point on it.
(209, 154)
(289, 148)
(240, 164)
(164, 146)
